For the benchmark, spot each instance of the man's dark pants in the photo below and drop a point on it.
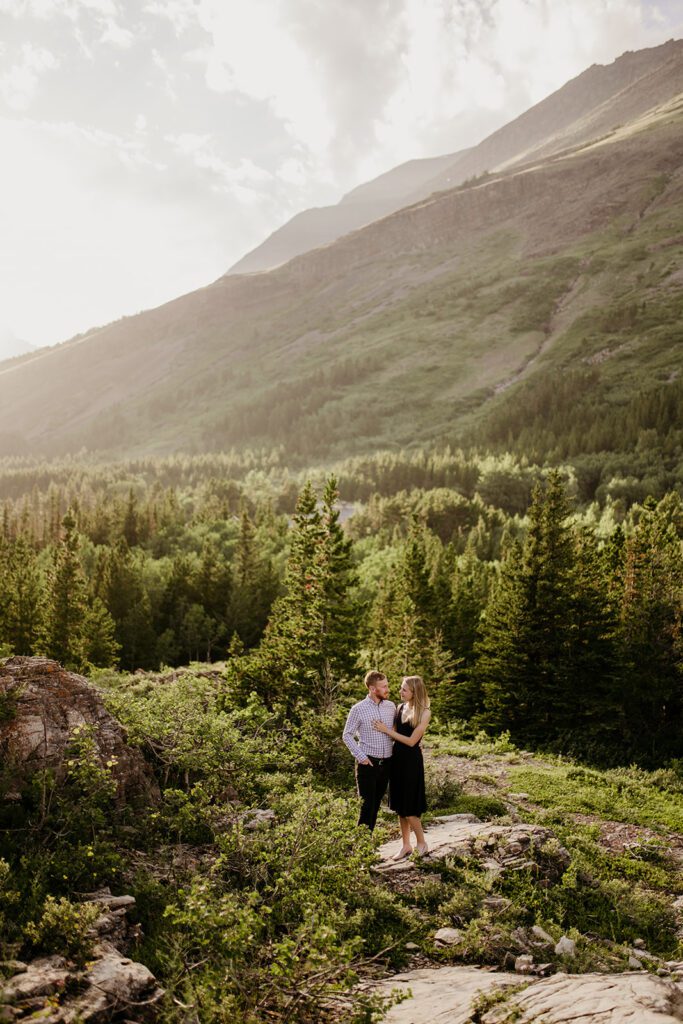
(372, 781)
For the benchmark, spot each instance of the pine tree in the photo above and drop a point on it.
(469, 591)
(64, 638)
(24, 612)
(588, 708)
(129, 525)
(121, 587)
(651, 631)
(523, 653)
(5, 589)
(100, 645)
(307, 645)
(254, 585)
(405, 635)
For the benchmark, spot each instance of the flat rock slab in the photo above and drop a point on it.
(498, 848)
(446, 996)
(636, 998)
(442, 996)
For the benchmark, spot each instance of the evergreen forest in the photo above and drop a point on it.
(226, 607)
(527, 608)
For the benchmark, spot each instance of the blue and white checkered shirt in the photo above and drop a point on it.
(359, 736)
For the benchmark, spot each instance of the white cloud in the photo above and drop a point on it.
(48, 9)
(361, 85)
(168, 163)
(182, 14)
(89, 234)
(116, 35)
(243, 179)
(19, 84)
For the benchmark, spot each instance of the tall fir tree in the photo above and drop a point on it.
(101, 648)
(254, 585)
(405, 635)
(66, 608)
(523, 652)
(470, 584)
(121, 587)
(24, 612)
(651, 631)
(308, 643)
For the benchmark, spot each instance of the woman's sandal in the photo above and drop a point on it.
(422, 850)
(402, 853)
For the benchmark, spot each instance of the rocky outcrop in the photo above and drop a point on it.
(457, 995)
(110, 986)
(497, 848)
(40, 706)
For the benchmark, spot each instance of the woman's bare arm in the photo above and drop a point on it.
(409, 741)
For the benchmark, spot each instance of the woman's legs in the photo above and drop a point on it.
(416, 825)
(406, 848)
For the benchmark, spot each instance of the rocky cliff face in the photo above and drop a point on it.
(364, 204)
(40, 706)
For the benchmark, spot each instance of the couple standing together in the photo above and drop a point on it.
(385, 741)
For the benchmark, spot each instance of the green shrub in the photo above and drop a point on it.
(64, 927)
(282, 919)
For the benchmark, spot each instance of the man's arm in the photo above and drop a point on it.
(349, 736)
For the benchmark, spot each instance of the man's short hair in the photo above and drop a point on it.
(373, 677)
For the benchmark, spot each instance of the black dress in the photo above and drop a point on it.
(406, 774)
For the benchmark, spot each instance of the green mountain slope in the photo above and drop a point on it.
(420, 327)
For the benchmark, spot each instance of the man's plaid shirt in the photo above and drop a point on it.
(359, 736)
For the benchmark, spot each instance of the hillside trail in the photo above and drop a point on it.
(489, 775)
(530, 985)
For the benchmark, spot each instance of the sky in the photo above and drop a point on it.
(145, 145)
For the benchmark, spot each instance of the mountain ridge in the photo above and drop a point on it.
(573, 114)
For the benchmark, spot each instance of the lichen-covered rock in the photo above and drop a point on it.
(595, 999)
(41, 704)
(453, 995)
(110, 987)
(498, 848)
(443, 996)
(113, 925)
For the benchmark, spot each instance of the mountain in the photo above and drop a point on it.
(11, 346)
(365, 203)
(594, 103)
(599, 99)
(430, 324)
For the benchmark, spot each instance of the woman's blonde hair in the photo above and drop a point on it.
(420, 700)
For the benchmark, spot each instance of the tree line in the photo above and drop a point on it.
(564, 630)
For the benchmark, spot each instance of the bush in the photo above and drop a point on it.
(64, 927)
(282, 919)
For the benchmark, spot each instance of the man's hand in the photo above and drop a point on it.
(366, 761)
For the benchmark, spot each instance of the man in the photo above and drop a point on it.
(372, 749)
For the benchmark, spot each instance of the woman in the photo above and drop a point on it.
(407, 776)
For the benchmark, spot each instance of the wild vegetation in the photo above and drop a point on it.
(559, 624)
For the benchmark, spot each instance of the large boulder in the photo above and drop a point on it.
(40, 706)
(453, 995)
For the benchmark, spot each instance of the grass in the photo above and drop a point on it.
(605, 900)
(625, 794)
